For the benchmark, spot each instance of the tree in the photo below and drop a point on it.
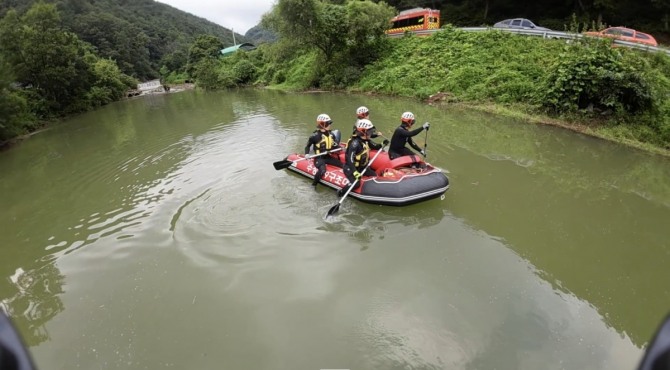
(47, 58)
(109, 83)
(207, 74)
(205, 46)
(116, 39)
(331, 28)
(366, 23)
(14, 115)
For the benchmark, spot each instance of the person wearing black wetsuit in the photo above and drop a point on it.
(402, 136)
(358, 154)
(323, 140)
(363, 112)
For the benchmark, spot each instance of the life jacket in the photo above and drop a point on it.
(327, 142)
(361, 159)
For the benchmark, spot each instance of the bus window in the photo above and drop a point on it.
(408, 22)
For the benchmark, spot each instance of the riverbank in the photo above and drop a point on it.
(46, 125)
(599, 129)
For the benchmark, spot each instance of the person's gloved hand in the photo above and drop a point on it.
(385, 142)
(357, 175)
(426, 126)
(423, 152)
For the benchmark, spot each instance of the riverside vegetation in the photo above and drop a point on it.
(616, 93)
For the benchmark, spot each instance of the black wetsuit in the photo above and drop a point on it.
(357, 158)
(374, 134)
(401, 136)
(322, 142)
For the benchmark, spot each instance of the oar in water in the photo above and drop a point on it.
(336, 207)
(425, 143)
(280, 165)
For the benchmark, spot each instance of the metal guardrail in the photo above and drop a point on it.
(546, 35)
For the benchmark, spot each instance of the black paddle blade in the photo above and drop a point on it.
(333, 210)
(280, 165)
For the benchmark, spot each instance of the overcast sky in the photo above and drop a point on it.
(238, 15)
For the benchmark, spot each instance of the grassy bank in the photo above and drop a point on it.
(596, 128)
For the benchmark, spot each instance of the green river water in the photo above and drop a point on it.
(155, 233)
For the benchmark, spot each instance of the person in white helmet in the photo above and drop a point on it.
(363, 112)
(403, 135)
(357, 156)
(323, 140)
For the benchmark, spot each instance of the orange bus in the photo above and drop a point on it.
(415, 19)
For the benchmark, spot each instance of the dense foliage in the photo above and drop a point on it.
(339, 38)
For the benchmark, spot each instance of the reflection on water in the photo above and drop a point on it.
(35, 301)
(164, 215)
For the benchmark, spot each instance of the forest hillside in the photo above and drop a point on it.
(140, 35)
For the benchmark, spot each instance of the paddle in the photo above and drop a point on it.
(425, 144)
(336, 207)
(280, 165)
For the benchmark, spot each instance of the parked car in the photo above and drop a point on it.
(625, 34)
(519, 23)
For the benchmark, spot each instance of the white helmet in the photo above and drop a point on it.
(364, 125)
(407, 117)
(323, 120)
(362, 112)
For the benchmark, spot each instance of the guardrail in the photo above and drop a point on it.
(546, 35)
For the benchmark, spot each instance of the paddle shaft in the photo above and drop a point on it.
(279, 165)
(425, 145)
(336, 207)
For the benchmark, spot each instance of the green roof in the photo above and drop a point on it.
(232, 49)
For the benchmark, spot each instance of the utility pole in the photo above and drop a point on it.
(233, 31)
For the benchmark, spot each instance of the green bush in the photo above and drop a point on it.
(14, 116)
(174, 78)
(244, 72)
(596, 76)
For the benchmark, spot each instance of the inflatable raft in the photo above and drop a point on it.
(399, 182)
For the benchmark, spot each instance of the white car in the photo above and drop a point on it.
(519, 23)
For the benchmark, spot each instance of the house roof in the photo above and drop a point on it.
(231, 49)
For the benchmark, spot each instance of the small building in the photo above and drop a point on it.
(149, 85)
(230, 50)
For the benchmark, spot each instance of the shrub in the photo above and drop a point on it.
(596, 76)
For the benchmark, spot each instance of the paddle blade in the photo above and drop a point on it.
(280, 165)
(333, 210)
